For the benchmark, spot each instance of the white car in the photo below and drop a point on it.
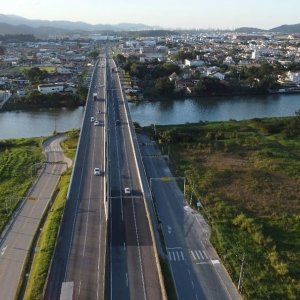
(92, 119)
(96, 171)
(127, 191)
(96, 123)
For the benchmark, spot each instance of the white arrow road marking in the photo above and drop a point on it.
(3, 250)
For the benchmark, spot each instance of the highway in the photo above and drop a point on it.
(81, 247)
(132, 270)
(195, 265)
(16, 241)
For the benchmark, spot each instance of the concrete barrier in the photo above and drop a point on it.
(143, 183)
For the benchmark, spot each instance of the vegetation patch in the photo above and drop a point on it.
(247, 176)
(20, 160)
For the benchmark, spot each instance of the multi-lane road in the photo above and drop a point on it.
(195, 266)
(81, 247)
(106, 245)
(125, 267)
(133, 272)
(15, 242)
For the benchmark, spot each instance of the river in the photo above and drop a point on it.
(43, 122)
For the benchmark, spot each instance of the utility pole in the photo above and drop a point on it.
(241, 272)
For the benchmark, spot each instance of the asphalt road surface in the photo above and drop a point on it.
(15, 242)
(195, 265)
(80, 253)
(132, 269)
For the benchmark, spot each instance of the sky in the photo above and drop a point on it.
(185, 14)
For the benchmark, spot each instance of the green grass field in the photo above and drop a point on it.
(247, 176)
(18, 70)
(18, 167)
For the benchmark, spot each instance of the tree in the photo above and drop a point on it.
(164, 86)
(139, 70)
(94, 54)
(35, 74)
(121, 59)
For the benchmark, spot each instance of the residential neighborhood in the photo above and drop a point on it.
(197, 64)
(47, 67)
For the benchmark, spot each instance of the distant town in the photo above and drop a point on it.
(157, 65)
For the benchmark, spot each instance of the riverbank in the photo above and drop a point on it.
(246, 176)
(36, 101)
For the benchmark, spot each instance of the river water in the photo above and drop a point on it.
(43, 122)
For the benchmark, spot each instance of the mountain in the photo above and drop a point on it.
(287, 28)
(248, 30)
(69, 25)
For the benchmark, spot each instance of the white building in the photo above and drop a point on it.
(256, 54)
(51, 88)
(218, 75)
(193, 62)
(293, 76)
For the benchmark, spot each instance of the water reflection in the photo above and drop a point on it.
(44, 121)
(214, 109)
(39, 122)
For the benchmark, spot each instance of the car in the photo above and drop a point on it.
(92, 119)
(127, 191)
(96, 123)
(118, 122)
(96, 171)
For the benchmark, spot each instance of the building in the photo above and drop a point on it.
(51, 88)
(293, 76)
(193, 62)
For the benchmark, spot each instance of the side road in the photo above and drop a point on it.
(16, 239)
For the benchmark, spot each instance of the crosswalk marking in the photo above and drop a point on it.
(54, 149)
(201, 254)
(174, 256)
(193, 255)
(177, 255)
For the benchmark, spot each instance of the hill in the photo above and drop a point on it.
(287, 28)
(248, 30)
(69, 25)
